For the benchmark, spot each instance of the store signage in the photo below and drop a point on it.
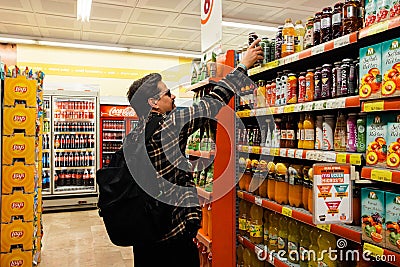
(332, 194)
(117, 111)
(211, 23)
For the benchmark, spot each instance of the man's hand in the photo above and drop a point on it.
(253, 53)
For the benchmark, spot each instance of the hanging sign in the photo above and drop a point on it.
(332, 194)
(211, 23)
(117, 111)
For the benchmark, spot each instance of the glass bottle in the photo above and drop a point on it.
(345, 74)
(309, 136)
(299, 36)
(337, 20)
(288, 34)
(310, 85)
(317, 83)
(351, 144)
(278, 42)
(309, 34)
(340, 133)
(326, 25)
(302, 87)
(360, 14)
(291, 133)
(350, 17)
(328, 128)
(317, 28)
(336, 78)
(326, 81)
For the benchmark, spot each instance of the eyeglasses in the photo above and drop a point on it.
(167, 93)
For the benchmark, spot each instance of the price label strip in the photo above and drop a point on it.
(256, 150)
(355, 159)
(341, 41)
(374, 106)
(374, 250)
(341, 158)
(325, 227)
(287, 212)
(258, 201)
(381, 176)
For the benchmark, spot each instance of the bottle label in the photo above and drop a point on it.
(317, 26)
(337, 19)
(288, 44)
(351, 12)
(256, 230)
(319, 138)
(281, 178)
(303, 253)
(308, 134)
(284, 134)
(242, 224)
(290, 135)
(326, 23)
(282, 243)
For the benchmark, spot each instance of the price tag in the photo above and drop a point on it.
(282, 152)
(258, 200)
(289, 109)
(309, 106)
(287, 211)
(379, 27)
(381, 175)
(266, 151)
(280, 110)
(239, 114)
(341, 41)
(374, 106)
(341, 102)
(240, 194)
(341, 158)
(318, 155)
(291, 153)
(256, 150)
(319, 105)
(298, 107)
(374, 250)
(273, 64)
(310, 155)
(274, 110)
(274, 151)
(330, 103)
(253, 112)
(318, 49)
(355, 159)
(245, 149)
(299, 154)
(330, 156)
(325, 227)
(246, 113)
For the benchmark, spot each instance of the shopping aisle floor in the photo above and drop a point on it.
(79, 239)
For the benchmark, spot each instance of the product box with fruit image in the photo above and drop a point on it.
(373, 215)
(393, 144)
(377, 134)
(370, 72)
(392, 227)
(391, 68)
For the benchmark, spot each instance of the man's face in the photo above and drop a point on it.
(166, 101)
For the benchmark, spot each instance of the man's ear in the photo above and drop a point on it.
(152, 102)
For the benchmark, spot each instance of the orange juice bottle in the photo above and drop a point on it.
(255, 178)
(209, 231)
(306, 187)
(263, 175)
(273, 231)
(309, 130)
(293, 241)
(325, 241)
(247, 257)
(271, 181)
(239, 255)
(305, 243)
(242, 169)
(283, 235)
(204, 219)
(288, 34)
(282, 185)
(256, 225)
(300, 132)
(247, 175)
(266, 226)
(314, 249)
(311, 190)
(295, 185)
(248, 219)
(243, 217)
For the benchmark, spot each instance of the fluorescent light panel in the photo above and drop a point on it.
(248, 26)
(83, 9)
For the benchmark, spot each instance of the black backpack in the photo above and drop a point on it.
(131, 216)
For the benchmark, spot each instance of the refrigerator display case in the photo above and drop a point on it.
(115, 124)
(70, 150)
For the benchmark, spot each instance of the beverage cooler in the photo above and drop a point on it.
(116, 121)
(70, 149)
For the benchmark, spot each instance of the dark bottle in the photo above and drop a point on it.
(61, 178)
(360, 14)
(278, 42)
(79, 181)
(317, 83)
(326, 81)
(62, 142)
(357, 76)
(67, 178)
(283, 132)
(337, 20)
(345, 73)
(73, 178)
(67, 142)
(56, 160)
(352, 78)
(272, 49)
(336, 78)
(326, 25)
(317, 28)
(350, 17)
(291, 141)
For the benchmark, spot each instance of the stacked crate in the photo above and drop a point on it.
(21, 203)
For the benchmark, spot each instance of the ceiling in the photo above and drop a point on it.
(170, 25)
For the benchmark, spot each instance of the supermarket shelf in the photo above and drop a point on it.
(113, 140)
(322, 48)
(75, 120)
(379, 27)
(74, 132)
(381, 105)
(347, 231)
(391, 257)
(202, 83)
(73, 168)
(75, 150)
(260, 249)
(205, 240)
(316, 155)
(75, 189)
(200, 154)
(336, 103)
(113, 130)
(381, 175)
(203, 193)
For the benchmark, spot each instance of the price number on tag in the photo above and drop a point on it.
(325, 227)
(282, 152)
(379, 27)
(373, 250)
(256, 150)
(374, 106)
(290, 153)
(330, 103)
(265, 151)
(341, 158)
(381, 175)
(299, 154)
(246, 113)
(289, 109)
(355, 159)
(330, 156)
(245, 149)
(287, 211)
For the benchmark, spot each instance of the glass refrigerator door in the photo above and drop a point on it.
(46, 155)
(74, 154)
(131, 124)
(113, 136)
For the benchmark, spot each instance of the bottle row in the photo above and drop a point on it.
(86, 105)
(74, 114)
(113, 125)
(113, 135)
(111, 146)
(46, 160)
(71, 159)
(74, 126)
(324, 82)
(73, 141)
(203, 176)
(74, 178)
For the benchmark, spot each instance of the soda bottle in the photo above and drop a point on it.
(283, 236)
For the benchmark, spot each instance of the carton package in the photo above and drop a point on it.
(370, 72)
(391, 68)
(392, 226)
(373, 216)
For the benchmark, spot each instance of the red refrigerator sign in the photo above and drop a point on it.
(117, 111)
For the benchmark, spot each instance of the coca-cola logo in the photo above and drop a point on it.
(17, 234)
(16, 147)
(17, 205)
(20, 89)
(119, 112)
(18, 118)
(15, 263)
(18, 176)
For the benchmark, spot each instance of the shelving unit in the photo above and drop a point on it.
(393, 257)
(200, 154)
(381, 175)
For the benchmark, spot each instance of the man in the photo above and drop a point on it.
(167, 131)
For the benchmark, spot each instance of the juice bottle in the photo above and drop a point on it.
(300, 132)
(262, 190)
(291, 133)
(283, 235)
(319, 134)
(247, 257)
(255, 177)
(239, 255)
(300, 31)
(309, 136)
(266, 226)
(313, 248)
(306, 187)
(246, 176)
(340, 134)
(293, 241)
(255, 262)
(310, 84)
(305, 243)
(248, 219)
(243, 217)
(325, 241)
(273, 231)
(204, 219)
(311, 190)
(288, 34)
(242, 169)
(256, 225)
(295, 185)
(271, 181)
(281, 184)
(209, 221)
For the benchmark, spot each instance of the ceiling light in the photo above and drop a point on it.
(83, 9)
(167, 53)
(249, 26)
(7, 40)
(84, 46)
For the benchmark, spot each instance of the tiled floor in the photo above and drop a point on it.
(79, 239)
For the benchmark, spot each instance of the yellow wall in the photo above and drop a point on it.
(113, 72)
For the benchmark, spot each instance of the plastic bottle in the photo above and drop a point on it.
(314, 249)
(319, 134)
(340, 133)
(300, 131)
(326, 241)
(295, 173)
(361, 133)
(294, 241)
(247, 257)
(299, 36)
(309, 134)
(305, 243)
(283, 236)
(310, 85)
(256, 225)
(271, 181)
(308, 37)
(291, 141)
(262, 190)
(306, 187)
(239, 255)
(328, 127)
(273, 231)
(266, 226)
(281, 184)
(288, 34)
(302, 89)
(351, 144)
(311, 190)
(243, 217)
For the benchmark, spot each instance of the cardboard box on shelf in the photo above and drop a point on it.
(373, 215)
(370, 72)
(391, 68)
(392, 225)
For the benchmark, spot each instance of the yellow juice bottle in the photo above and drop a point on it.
(243, 217)
(273, 231)
(309, 132)
(288, 34)
(326, 241)
(305, 243)
(256, 225)
(314, 249)
(271, 181)
(263, 175)
(239, 255)
(266, 226)
(295, 173)
(248, 218)
(247, 257)
(283, 236)
(311, 190)
(300, 132)
(293, 241)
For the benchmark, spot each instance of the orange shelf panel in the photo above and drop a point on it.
(381, 105)
(381, 175)
(385, 255)
(349, 232)
(380, 27)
